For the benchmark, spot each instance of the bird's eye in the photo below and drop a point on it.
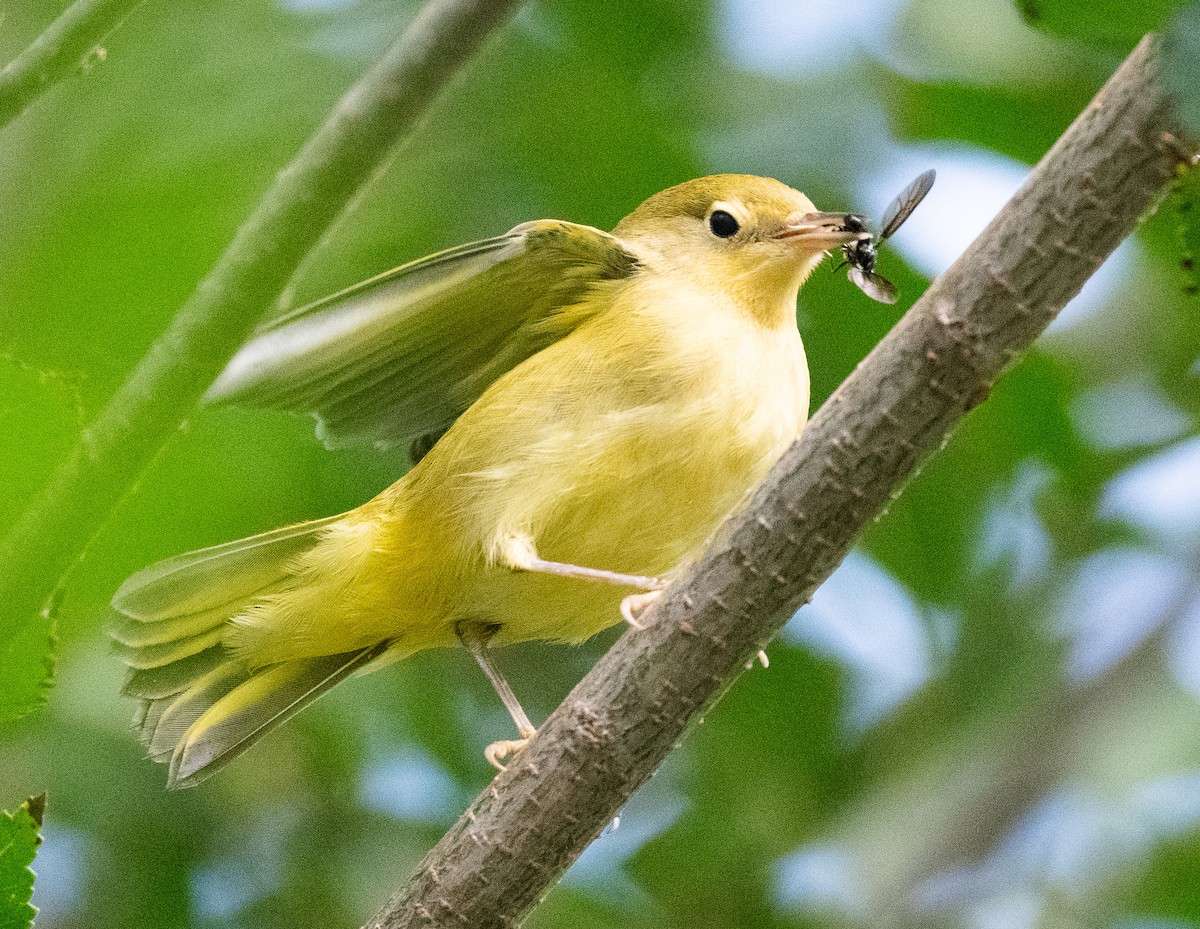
(722, 224)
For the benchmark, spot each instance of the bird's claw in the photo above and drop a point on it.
(498, 751)
(632, 605)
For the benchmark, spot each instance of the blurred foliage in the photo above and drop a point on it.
(1181, 67)
(1112, 22)
(988, 717)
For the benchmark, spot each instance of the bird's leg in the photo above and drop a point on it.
(475, 637)
(592, 574)
(517, 553)
(652, 587)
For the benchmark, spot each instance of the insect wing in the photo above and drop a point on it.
(906, 201)
(875, 286)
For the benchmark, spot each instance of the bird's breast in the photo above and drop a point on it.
(622, 447)
(641, 485)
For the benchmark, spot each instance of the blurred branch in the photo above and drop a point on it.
(63, 47)
(306, 196)
(623, 718)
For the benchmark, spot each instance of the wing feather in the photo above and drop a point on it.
(397, 358)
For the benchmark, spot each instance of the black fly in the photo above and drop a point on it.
(861, 255)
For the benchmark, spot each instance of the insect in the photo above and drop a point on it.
(861, 255)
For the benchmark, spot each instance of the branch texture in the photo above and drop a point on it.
(62, 48)
(305, 198)
(941, 359)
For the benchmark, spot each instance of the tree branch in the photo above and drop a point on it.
(63, 47)
(306, 196)
(619, 723)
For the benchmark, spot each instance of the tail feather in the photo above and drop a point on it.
(136, 634)
(151, 713)
(143, 657)
(174, 678)
(210, 577)
(202, 703)
(140, 714)
(181, 710)
(252, 709)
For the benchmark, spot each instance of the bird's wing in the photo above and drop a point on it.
(397, 358)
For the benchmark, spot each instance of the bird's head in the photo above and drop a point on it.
(752, 238)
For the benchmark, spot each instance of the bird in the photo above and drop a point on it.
(583, 409)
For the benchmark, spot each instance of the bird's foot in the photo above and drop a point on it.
(634, 604)
(507, 748)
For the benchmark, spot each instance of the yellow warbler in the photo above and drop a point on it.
(585, 409)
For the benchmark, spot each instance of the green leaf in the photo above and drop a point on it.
(41, 413)
(1181, 64)
(27, 669)
(20, 835)
(1116, 23)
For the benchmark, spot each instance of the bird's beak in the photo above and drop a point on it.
(822, 230)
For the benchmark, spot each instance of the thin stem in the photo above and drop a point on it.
(624, 717)
(62, 48)
(305, 198)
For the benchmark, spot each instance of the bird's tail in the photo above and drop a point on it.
(202, 704)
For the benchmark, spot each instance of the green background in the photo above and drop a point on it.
(988, 717)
